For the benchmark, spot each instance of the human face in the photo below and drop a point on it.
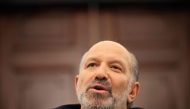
(104, 78)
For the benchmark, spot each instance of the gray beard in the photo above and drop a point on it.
(90, 100)
(96, 101)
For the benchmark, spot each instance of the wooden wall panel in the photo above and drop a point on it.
(150, 38)
(41, 51)
(45, 88)
(45, 31)
(43, 54)
(154, 39)
(8, 84)
(158, 91)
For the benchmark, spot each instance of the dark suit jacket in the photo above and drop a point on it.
(77, 106)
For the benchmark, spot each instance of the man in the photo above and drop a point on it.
(107, 78)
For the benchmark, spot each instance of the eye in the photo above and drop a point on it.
(92, 65)
(116, 67)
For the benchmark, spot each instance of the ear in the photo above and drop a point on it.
(133, 92)
(76, 82)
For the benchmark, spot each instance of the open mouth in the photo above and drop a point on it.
(99, 88)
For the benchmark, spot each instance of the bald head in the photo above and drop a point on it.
(108, 47)
(111, 63)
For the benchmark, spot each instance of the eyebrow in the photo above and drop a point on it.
(117, 61)
(112, 61)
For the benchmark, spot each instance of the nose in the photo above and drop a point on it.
(101, 73)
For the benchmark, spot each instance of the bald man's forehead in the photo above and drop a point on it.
(105, 44)
(110, 47)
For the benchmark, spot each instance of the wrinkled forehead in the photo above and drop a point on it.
(109, 47)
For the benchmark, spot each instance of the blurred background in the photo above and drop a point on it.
(42, 42)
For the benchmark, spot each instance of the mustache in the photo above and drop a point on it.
(105, 83)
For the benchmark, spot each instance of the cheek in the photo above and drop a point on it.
(84, 80)
(119, 84)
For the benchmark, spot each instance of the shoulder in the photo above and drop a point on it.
(69, 106)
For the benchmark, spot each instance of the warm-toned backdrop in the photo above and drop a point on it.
(41, 45)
